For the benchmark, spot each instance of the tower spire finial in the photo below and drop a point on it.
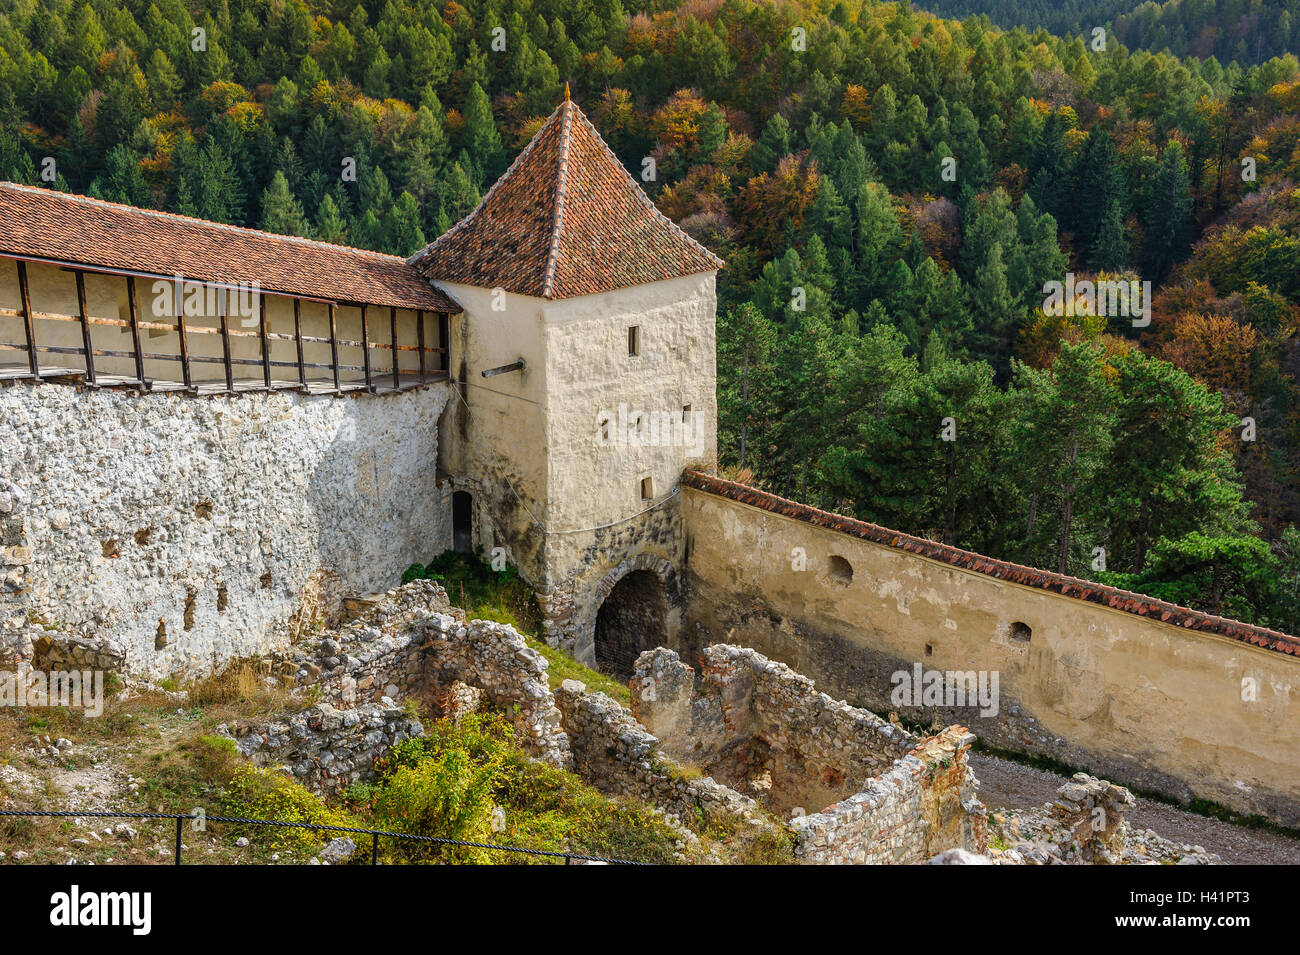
(566, 91)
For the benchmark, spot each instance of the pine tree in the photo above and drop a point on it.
(1109, 250)
(482, 140)
(746, 345)
(1169, 219)
(330, 226)
(281, 211)
(404, 233)
(773, 145)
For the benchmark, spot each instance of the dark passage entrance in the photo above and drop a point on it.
(633, 618)
(462, 522)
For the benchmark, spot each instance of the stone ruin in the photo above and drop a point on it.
(856, 788)
(743, 741)
(1085, 825)
(753, 741)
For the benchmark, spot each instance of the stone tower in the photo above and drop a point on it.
(585, 364)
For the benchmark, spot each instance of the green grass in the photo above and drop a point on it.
(564, 667)
(470, 781)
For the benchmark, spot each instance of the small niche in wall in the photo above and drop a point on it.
(1020, 632)
(223, 598)
(109, 548)
(839, 570)
(160, 636)
(647, 489)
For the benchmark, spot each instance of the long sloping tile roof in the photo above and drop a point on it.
(566, 219)
(44, 224)
(1075, 587)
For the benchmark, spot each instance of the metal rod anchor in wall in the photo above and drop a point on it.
(504, 369)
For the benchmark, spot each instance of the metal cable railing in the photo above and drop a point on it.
(568, 857)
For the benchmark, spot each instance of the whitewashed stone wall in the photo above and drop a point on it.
(195, 530)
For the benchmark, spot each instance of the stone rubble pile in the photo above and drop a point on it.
(1084, 825)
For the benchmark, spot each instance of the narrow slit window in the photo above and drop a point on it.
(647, 489)
(634, 340)
(686, 414)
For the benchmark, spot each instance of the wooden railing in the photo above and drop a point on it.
(433, 361)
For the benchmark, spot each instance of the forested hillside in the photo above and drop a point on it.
(1245, 31)
(891, 193)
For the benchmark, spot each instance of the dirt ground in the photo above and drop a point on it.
(1008, 785)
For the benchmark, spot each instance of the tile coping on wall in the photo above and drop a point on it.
(1062, 584)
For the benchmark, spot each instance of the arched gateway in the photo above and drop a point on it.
(633, 618)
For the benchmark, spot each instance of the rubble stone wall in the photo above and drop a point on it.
(615, 753)
(193, 530)
(328, 749)
(746, 716)
(924, 805)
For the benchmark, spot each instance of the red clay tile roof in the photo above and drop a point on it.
(566, 219)
(1074, 587)
(43, 224)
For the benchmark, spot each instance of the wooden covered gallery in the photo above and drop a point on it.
(110, 295)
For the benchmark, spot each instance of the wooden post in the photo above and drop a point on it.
(135, 330)
(84, 314)
(266, 341)
(365, 347)
(419, 335)
(28, 324)
(392, 321)
(225, 342)
(297, 334)
(334, 349)
(186, 376)
(444, 339)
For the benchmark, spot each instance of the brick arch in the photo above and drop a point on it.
(589, 608)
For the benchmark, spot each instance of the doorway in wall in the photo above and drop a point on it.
(462, 522)
(633, 618)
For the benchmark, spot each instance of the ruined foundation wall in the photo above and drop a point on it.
(195, 530)
(1148, 704)
(925, 804)
(615, 753)
(327, 749)
(746, 716)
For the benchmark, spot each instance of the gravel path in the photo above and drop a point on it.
(1008, 785)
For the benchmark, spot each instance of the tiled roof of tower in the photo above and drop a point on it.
(565, 220)
(1122, 600)
(43, 224)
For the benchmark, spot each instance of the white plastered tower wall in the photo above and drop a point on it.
(561, 494)
(613, 421)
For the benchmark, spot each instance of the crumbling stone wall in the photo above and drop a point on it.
(53, 652)
(924, 805)
(327, 749)
(192, 530)
(615, 753)
(758, 725)
(413, 645)
(889, 796)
